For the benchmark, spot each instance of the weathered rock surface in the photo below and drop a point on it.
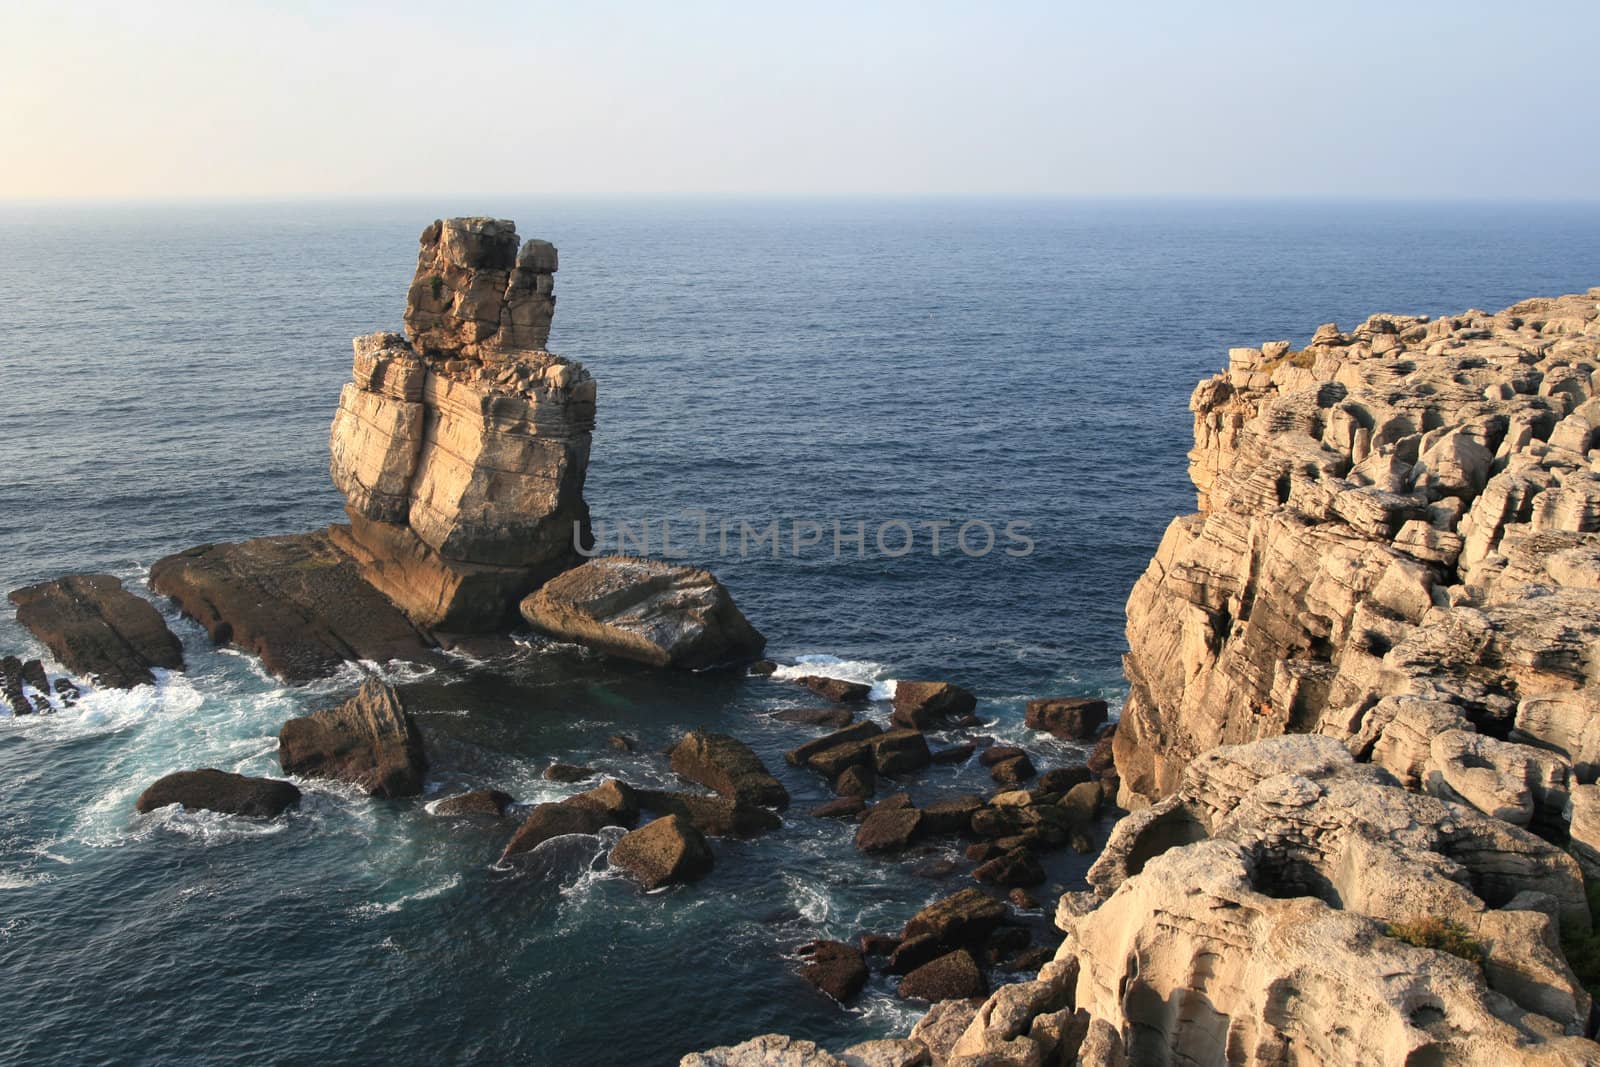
(461, 448)
(1399, 535)
(15, 676)
(298, 602)
(97, 628)
(727, 766)
(1277, 866)
(667, 851)
(369, 741)
(663, 614)
(214, 790)
(953, 976)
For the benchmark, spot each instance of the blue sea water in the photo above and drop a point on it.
(167, 376)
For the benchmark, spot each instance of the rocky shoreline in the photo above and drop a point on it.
(1358, 757)
(1359, 741)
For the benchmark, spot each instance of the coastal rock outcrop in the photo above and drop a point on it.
(461, 447)
(1252, 910)
(213, 790)
(369, 741)
(648, 610)
(1398, 538)
(297, 601)
(97, 628)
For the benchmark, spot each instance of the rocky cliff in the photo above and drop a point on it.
(461, 447)
(1396, 548)
(1396, 558)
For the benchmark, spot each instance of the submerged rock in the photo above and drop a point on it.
(836, 689)
(647, 610)
(668, 851)
(487, 802)
(830, 717)
(728, 766)
(566, 772)
(298, 602)
(214, 790)
(370, 741)
(925, 705)
(97, 628)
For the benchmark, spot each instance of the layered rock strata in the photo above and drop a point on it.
(461, 447)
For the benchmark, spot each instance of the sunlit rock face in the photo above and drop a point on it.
(461, 447)
(1398, 546)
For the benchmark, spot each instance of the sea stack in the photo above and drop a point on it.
(461, 447)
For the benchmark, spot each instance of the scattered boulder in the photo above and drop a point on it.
(899, 751)
(556, 819)
(942, 1027)
(1018, 867)
(833, 718)
(954, 976)
(998, 754)
(1069, 718)
(485, 802)
(925, 705)
(566, 772)
(1012, 772)
(712, 816)
(214, 790)
(763, 668)
(662, 614)
(369, 741)
(861, 731)
(952, 815)
(954, 754)
(844, 807)
(96, 628)
(621, 743)
(667, 851)
(836, 689)
(888, 829)
(965, 919)
(1059, 780)
(727, 766)
(13, 674)
(859, 780)
(838, 969)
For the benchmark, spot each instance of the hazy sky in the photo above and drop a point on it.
(132, 98)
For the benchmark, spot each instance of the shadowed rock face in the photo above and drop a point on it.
(96, 627)
(298, 602)
(461, 447)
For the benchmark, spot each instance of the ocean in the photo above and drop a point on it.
(837, 368)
